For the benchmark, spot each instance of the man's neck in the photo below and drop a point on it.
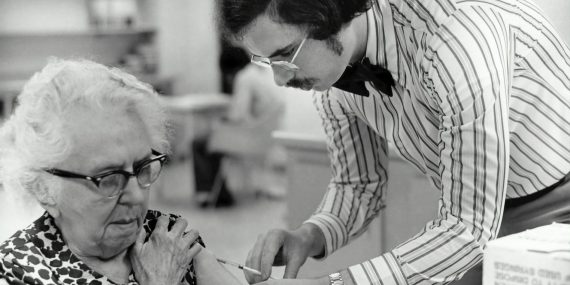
(360, 27)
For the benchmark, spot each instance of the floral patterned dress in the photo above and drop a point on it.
(38, 255)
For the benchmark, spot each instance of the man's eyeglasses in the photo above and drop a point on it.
(285, 65)
(112, 183)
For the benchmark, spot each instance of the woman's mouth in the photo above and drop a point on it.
(125, 221)
(126, 225)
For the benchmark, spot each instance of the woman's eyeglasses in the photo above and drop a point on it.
(112, 183)
(285, 65)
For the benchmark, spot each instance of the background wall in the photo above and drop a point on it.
(188, 45)
(300, 115)
(186, 39)
(32, 15)
(559, 13)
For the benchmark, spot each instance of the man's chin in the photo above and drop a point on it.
(320, 88)
(301, 87)
(312, 87)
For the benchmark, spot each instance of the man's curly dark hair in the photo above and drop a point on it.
(322, 19)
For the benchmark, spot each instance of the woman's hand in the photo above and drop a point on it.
(165, 257)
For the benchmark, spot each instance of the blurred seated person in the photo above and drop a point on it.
(87, 142)
(256, 98)
(243, 137)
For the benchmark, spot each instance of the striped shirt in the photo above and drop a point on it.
(481, 106)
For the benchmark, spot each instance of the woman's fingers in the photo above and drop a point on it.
(140, 240)
(194, 250)
(162, 223)
(179, 227)
(189, 238)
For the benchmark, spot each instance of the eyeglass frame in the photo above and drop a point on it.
(286, 65)
(96, 179)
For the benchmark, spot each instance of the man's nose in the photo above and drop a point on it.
(282, 76)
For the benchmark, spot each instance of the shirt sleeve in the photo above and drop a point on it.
(359, 173)
(467, 71)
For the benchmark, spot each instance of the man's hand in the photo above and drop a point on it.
(320, 281)
(282, 247)
(165, 257)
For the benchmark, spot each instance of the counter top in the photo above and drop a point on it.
(300, 140)
(195, 102)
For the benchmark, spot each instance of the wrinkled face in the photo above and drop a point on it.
(320, 62)
(94, 225)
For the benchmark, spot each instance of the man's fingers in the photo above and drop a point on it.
(248, 276)
(292, 267)
(273, 242)
(254, 259)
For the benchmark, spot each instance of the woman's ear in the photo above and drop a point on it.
(50, 205)
(46, 198)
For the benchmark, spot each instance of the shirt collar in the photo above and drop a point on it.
(49, 240)
(381, 41)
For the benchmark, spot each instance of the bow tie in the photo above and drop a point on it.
(353, 78)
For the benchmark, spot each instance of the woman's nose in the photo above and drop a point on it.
(133, 192)
(282, 76)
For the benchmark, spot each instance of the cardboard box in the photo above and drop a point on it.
(540, 256)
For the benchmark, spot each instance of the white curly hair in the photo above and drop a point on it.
(34, 138)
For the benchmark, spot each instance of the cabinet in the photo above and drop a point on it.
(410, 202)
(29, 36)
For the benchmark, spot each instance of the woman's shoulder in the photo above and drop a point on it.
(30, 238)
(153, 215)
(28, 255)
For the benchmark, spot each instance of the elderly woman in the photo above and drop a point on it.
(87, 142)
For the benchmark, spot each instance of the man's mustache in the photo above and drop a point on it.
(305, 84)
